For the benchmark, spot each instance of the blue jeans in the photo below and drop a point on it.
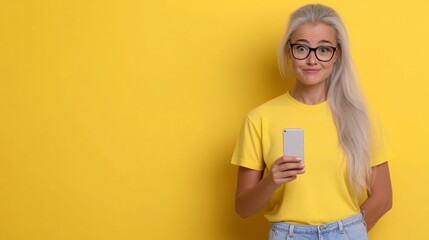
(352, 228)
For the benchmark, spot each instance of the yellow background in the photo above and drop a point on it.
(118, 118)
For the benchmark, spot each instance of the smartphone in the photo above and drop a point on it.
(293, 142)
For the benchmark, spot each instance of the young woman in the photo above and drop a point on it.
(343, 186)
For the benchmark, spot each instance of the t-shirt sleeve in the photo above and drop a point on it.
(248, 149)
(381, 151)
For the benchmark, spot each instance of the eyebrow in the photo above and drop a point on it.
(321, 41)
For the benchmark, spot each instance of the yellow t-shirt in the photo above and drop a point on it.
(322, 193)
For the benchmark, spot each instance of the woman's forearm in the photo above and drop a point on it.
(379, 200)
(253, 200)
(254, 189)
(374, 208)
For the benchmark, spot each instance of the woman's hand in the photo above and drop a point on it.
(286, 169)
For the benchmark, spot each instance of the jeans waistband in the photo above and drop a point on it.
(333, 226)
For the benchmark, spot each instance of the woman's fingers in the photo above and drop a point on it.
(286, 169)
(287, 163)
(290, 166)
(288, 174)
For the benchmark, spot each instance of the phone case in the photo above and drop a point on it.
(293, 142)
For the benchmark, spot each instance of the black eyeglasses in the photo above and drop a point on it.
(302, 51)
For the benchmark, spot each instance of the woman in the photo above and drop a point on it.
(344, 187)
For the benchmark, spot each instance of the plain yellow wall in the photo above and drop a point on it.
(118, 118)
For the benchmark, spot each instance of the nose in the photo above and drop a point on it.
(312, 59)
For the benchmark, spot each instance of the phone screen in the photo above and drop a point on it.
(293, 142)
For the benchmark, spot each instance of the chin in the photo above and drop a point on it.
(312, 82)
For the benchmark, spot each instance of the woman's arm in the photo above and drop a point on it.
(254, 190)
(379, 200)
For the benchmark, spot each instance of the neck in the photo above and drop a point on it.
(309, 95)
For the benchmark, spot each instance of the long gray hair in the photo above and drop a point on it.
(344, 96)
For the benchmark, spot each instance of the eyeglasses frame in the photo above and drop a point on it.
(312, 50)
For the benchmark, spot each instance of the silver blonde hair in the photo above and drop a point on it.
(344, 96)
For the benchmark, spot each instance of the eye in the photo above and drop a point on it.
(325, 49)
(301, 48)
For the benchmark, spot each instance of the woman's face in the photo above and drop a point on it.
(311, 71)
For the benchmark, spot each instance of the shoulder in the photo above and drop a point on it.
(268, 108)
(374, 119)
(381, 149)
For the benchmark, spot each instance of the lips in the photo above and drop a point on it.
(311, 71)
